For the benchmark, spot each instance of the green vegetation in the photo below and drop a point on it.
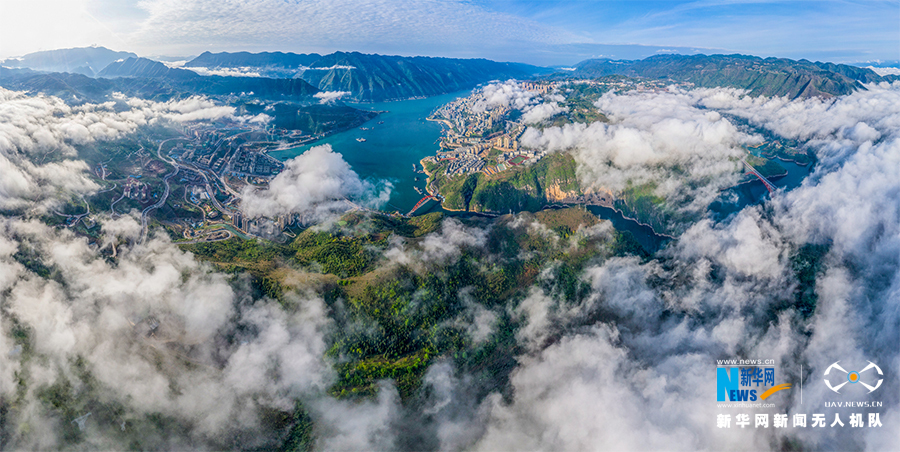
(394, 320)
(337, 254)
(642, 203)
(807, 263)
(31, 260)
(768, 168)
(300, 434)
(380, 77)
(762, 77)
(521, 188)
(580, 98)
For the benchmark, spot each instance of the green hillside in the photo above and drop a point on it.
(761, 76)
(372, 78)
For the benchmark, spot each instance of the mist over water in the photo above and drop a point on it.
(167, 352)
(391, 148)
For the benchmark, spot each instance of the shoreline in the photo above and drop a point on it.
(551, 206)
(812, 160)
(624, 216)
(445, 122)
(431, 192)
(315, 138)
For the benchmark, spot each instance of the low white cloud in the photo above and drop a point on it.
(330, 96)
(511, 94)
(408, 27)
(195, 108)
(37, 129)
(227, 72)
(727, 290)
(508, 94)
(149, 329)
(437, 248)
(162, 333)
(328, 68)
(317, 182)
(541, 112)
(446, 246)
(882, 71)
(685, 153)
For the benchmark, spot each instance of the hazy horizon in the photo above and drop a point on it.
(533, 32)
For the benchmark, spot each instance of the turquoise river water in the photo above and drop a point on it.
(401, 136)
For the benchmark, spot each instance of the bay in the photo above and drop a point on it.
(394, 141)
(384, 150)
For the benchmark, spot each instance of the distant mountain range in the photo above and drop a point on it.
(761, 76)
(85, 60)
(144, 78)
(276, 75)
(182, 80)
(373, 78)
(379, 77)
(265, 60)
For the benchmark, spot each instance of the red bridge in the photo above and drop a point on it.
(762, 178)
(422, 202)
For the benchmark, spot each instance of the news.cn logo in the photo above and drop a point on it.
(746, 380)
(852, 377)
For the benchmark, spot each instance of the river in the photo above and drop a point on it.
(400, 137)
(394, 141)
(736, 198)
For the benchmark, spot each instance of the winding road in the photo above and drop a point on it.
(162, 199)
(178, 166)
(78, 217)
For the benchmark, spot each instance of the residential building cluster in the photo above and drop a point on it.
(475, 134)
(265, 227)
(466, 164)
(254, 164)
(136, 190)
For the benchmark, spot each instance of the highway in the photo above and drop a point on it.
(112, 207)
(769, 185)
(206, 239)
(209, 189)
(162, 199)
(78, 217)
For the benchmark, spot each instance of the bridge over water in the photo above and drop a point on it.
(435, 197)
(752, 170)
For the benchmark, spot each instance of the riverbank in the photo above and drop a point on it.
(399, 136)
(440, 120)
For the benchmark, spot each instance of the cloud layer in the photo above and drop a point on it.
(316, 182)
(421, 26)
(39, 129)
(510, 94)
(626, 365)
(155, 320)
(684, 153)
(725, 290)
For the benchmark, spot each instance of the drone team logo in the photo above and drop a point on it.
(850, 377)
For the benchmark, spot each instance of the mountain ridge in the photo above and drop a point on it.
(284, 60)
(376, 77)
(390, 77)
(761, 76)
(159, 87)
(79, 60)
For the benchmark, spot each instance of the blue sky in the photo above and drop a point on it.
(533, 31)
